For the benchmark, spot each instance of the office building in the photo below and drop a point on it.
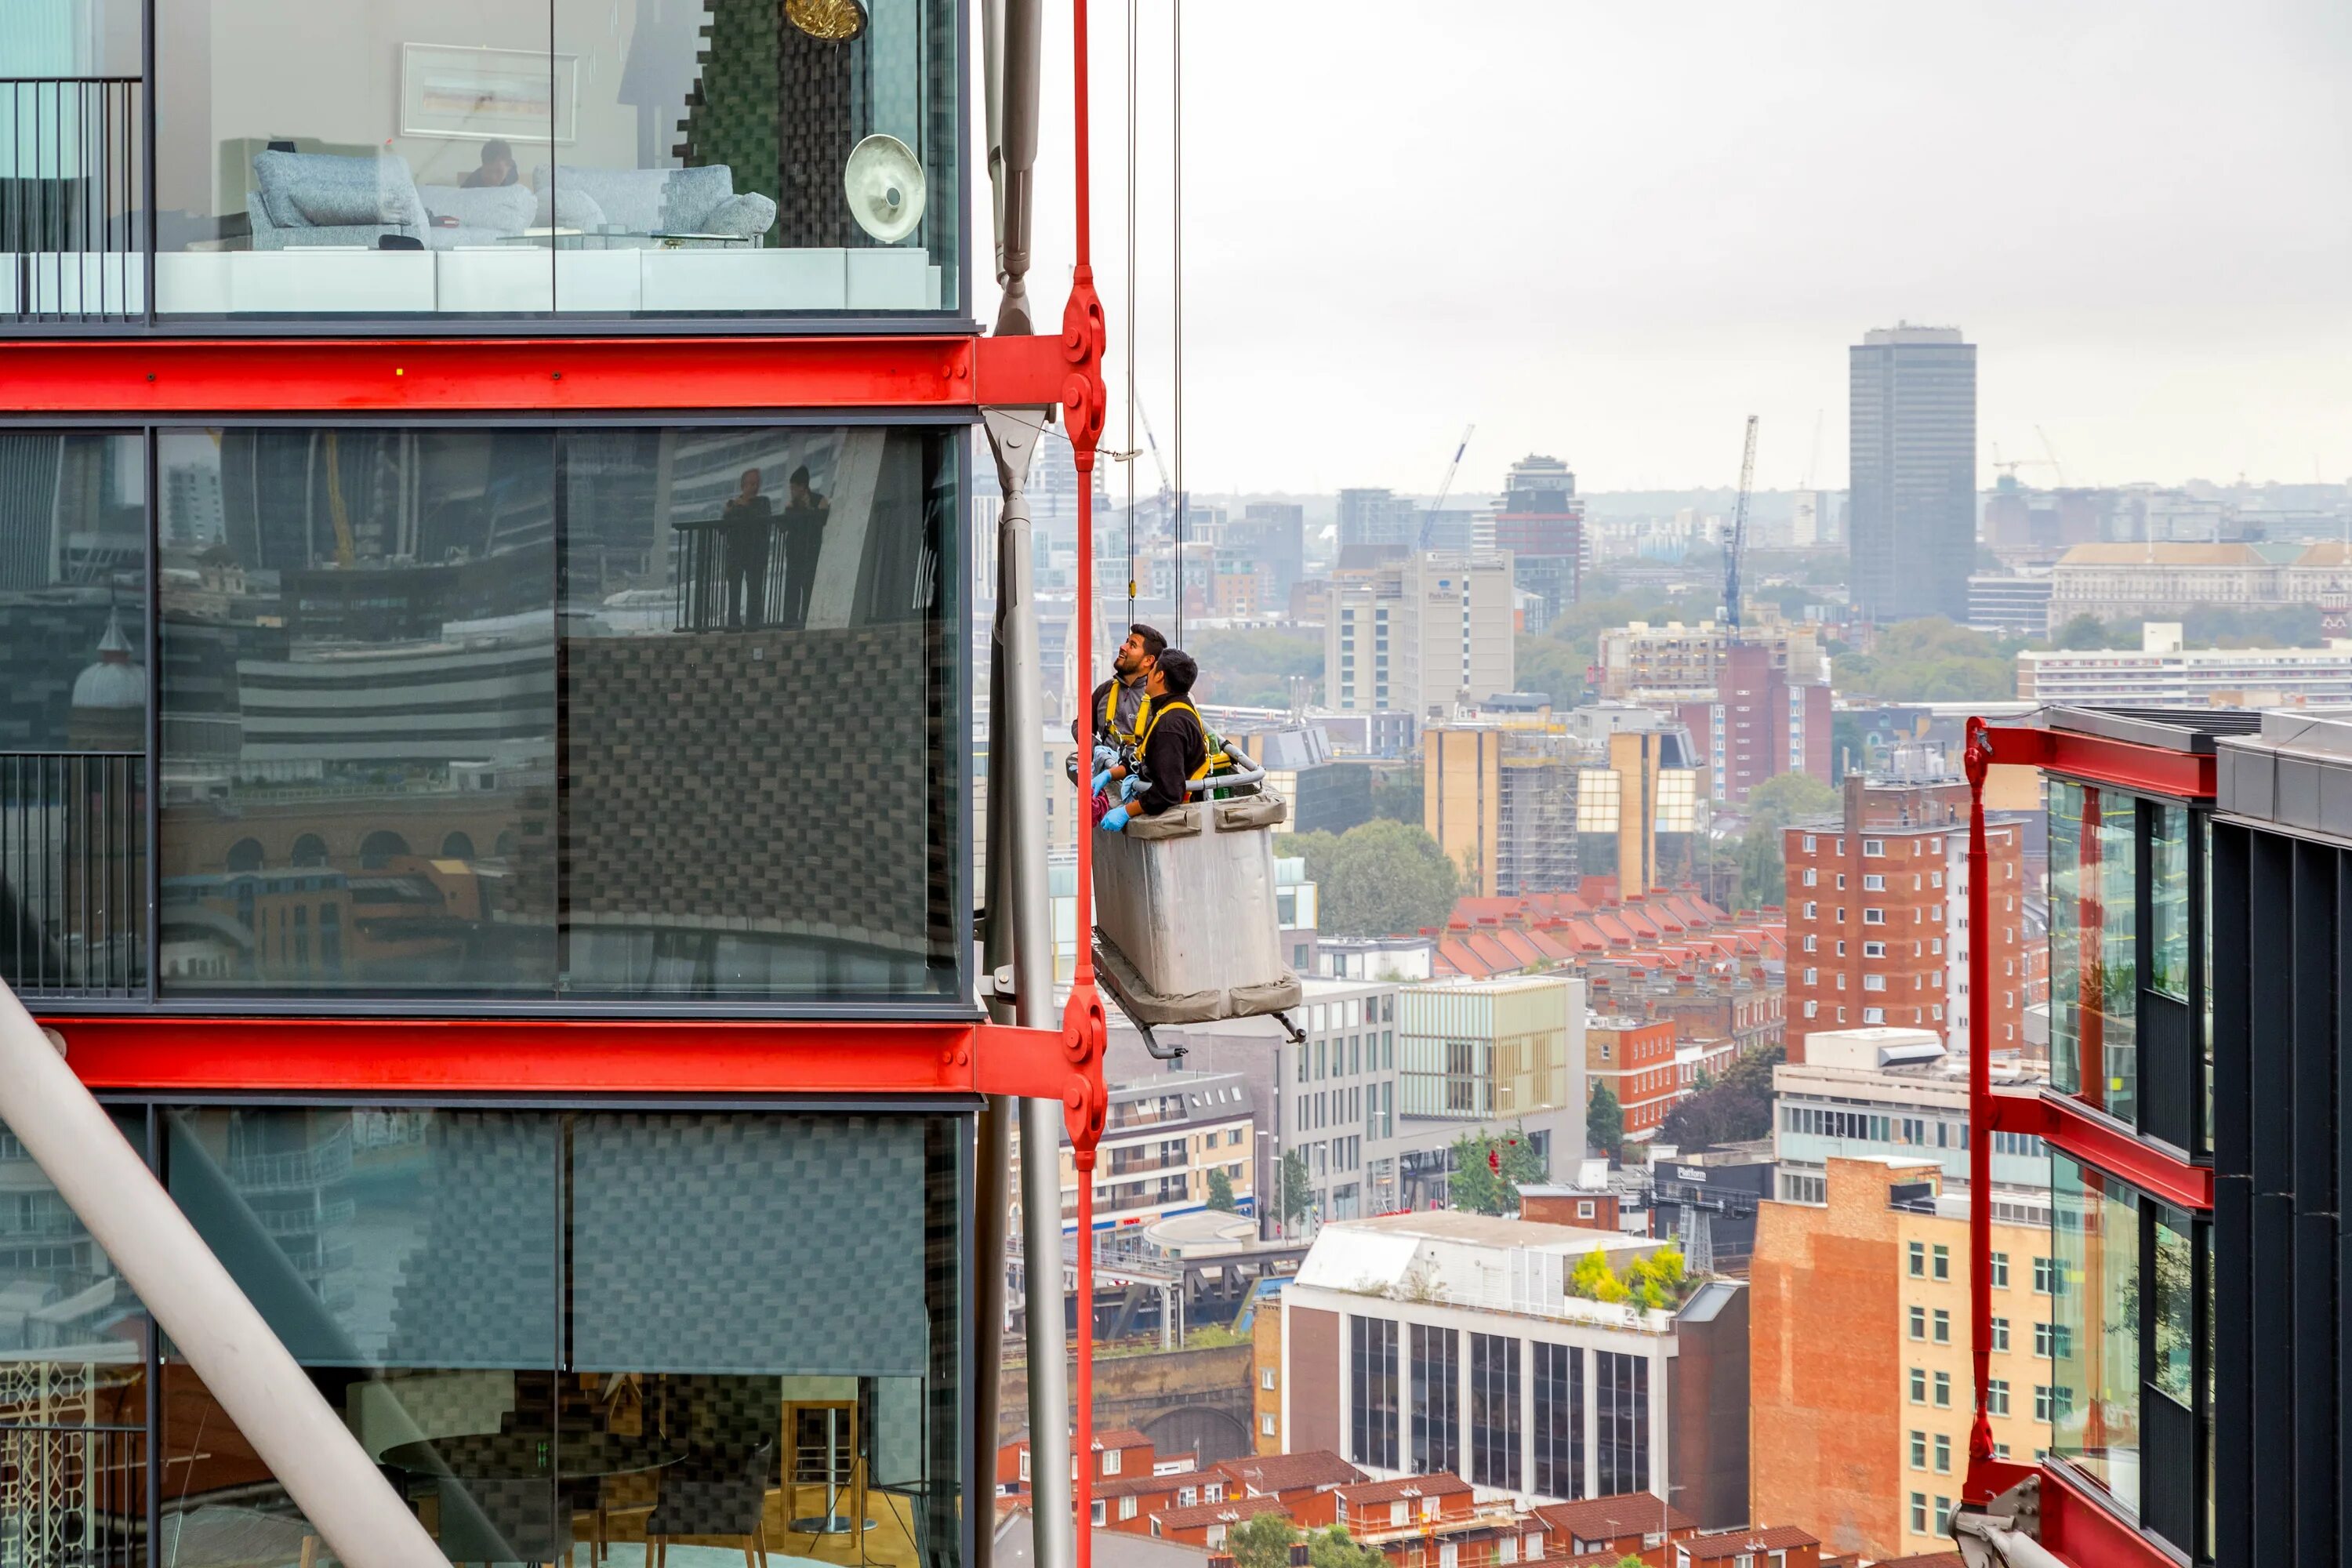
(2170, 580)
(1876, 933)
(2161, 673)
(1757, 704)
(1892, 1093)
(1500, 800)
(1913, 472)
(1444, 1343)
(1814, 520)
(2011, 604)
(1271, 538)
(1864, 1392)
(1508, 1051)
(1378, 521)
(1540, 522)
(1423, 634)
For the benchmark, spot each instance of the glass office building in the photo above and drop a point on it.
(484, 762)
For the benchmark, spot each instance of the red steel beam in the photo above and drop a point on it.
(135, 377)
(2075, 1130)
(2083, 1531)
(2186, 775)
(382, 1055)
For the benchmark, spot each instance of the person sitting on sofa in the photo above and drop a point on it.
(498, 168)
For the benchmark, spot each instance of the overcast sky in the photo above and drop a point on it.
(1609, 232)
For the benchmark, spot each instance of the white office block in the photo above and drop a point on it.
(333, 279)
(735, 278)
(891, 279)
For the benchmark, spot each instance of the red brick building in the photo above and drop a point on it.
(1636, 1060)
(1781, 1546)
(1876, 923)
(1631, 1524)
(1762, 723)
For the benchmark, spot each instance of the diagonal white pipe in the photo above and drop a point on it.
(214, 1329)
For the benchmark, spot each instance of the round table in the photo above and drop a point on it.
(533, 1456)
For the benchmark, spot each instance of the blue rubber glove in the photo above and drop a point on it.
(1102, 781)
(1114, 819)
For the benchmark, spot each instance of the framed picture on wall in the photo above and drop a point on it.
(475, 94)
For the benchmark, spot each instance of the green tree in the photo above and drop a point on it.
(1296, 1197)
(1550, 666)
(1763, 872)
(2082, 632)
(1785, 798)
(1384, 877)
(1253, 669)
(1490, 1168)
(1335, 1548)
(1262, 1541)
(1221, 1191)
(1735, 1111)
(1929, 660)
(1604, 1122)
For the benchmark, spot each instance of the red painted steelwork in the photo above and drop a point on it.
(2083, 1531)
(1977, 758)
(408, 1056)
(426, 375)
(2184, 775)
(2075, 1130)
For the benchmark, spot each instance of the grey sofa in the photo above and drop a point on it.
(644, 202)
(320, 198)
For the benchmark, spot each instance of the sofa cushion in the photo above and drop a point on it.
(316, 190)
(641, 201)
(744, 216)
(569, 207)
(502, 209)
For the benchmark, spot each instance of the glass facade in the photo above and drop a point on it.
(1559, 1420)
(1622, 1409)
(2093, 956)
(555, 716)
(402, 159)
(2096, 1308)
(548, 1327)
(1373, 1392)
(2167, 895)
(1493, 1411)
(1437, 1393)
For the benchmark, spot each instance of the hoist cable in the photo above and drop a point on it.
(1176, 282)
(1129, 461)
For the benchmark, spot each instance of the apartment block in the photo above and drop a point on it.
(1894, 1093)
(1164, 1136)
(2161, 673)
(1423, 633)
(1636, 1060)
(1863, 1386)
(1877, 933)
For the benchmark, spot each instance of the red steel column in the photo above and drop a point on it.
(1977, 758)
(1083, 399)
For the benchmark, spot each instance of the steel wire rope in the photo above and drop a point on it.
(1128, 459)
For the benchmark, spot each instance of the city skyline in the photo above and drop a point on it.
(1673, 246)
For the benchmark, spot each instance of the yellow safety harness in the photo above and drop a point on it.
(1210, 754)
(1110, 713)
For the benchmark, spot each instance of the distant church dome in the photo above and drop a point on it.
(113, 683)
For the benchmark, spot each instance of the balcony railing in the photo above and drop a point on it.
(731, 577)
(73, 1497)
(73, 876)
(72, 240)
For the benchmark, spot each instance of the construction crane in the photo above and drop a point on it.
(1738, 542)
(1446, 487)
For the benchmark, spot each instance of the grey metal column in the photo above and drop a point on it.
(1012, 34)
(258, 1383)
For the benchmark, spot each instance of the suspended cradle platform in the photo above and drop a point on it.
(1186, 928)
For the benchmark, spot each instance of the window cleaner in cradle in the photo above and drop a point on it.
(1170, 752)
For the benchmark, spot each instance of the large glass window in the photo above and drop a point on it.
(588, 714)
(597, 157)
(73, 712)
(1622, 1404)
(2094, 1222)
(1495, 1411)
(1373, 1392)
(73, 1387)
(2094, 960)
(2168, 898)
(621, 1326)
(1436, 1417)
(1559, 1420)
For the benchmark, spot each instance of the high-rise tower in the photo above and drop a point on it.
(1913, 458)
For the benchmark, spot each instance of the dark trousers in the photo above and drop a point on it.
(800, 575)
(747, 588)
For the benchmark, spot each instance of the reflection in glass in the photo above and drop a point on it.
(2095, 1310)
(2093, 964)
(73, 714)
(556, 1330)
(2167, 856)
(73, 1447)
(2175, 1303)
(741, 786)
